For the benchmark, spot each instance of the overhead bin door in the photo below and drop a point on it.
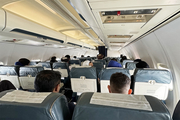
(2, 19)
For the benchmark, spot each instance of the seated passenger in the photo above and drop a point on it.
(68, 57)
(75, 57)
(49, 81)
(137, 60)
(119, 83)
(114, 63)
(64, 59)
(142, 64)
(87, 63)
(53, 59)
(6, 85)
(123, 58)
(82, 55)
(100, 56)
(23, 62)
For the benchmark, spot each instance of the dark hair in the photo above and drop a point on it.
(75, 57)
(68, 56)
(64, 59)
(118, 82)
(6, 85)
(53, 59)
(47, 80)
(114, 59)
(123, 58)
(137, 60)
(142, 64)
(82, 55)
(24, 61)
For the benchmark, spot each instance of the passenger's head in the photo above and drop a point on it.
(100, 56)
(119, 83)
(53, 59)
(24, 61)
(68, 57)
(64, 59)
(87, 63)
(88, 56)
(137, 60)
(82, 55)
(47, 81)
(6, 85)
(74, 57)
(121, 55)
(114, 59)
(142, 64)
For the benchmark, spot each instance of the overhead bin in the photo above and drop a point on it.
(16, 24)
(2, 19)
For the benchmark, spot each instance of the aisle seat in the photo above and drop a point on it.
(83, 79)
(131, 66)
(111, 106)
(45, 65)
(27, 76)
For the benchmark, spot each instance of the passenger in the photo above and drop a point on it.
(100, 56)
(49, 81)
(64, 59)
(114, 63)
(137, 60)
(142, 64)
(82, 55)
(53, 59)
(87, 63)
(123, 58)
(68, 57)
(88, 56)
(75, 57)
(119, 83)
(23, 62)
(6, 85)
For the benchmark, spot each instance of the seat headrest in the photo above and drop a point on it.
(159, 75)
(45, 64)
(62, 65)
(30, 70)
(101, 60)
(11, 70)
(19, 105)
(110, 106)
(106, 73)
(125, 61)
(88, 72)
(75, 62)
(131, 65)
(176, 115)
(98, 64)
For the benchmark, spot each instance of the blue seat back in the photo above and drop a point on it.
(77, 62)
(53, 107)
(125, 61)
(106, 73)
(45, 64)
(29, 70)
(131, 65)
(159, 75)
(101, 60)
(11, 70)
(88, 72)
(86, 109)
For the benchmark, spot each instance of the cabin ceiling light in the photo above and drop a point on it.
(44, 5)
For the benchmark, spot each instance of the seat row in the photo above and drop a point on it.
(25, 105)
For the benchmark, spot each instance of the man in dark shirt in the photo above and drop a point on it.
(49, 81)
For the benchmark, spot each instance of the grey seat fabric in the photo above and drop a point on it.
(11, 70)
(85, 58)
(62, 65)
(159, 75)
(131, 65)
(106, 73)
(125, 61)
(54, 107)
(99, 66)
(101, 60)
(45, 64)
(176, 114)
(29, 70)
(88, 72)
(84, 110)
(78, 62)
(32, 63)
